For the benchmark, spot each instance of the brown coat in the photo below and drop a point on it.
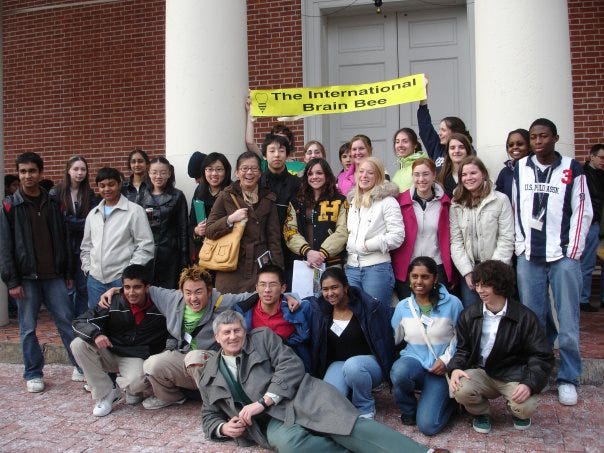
(262, 232)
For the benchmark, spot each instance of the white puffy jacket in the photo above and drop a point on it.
(376, 230)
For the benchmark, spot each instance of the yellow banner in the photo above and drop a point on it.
(291, 102)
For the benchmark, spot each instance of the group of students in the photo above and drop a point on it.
(439, 228)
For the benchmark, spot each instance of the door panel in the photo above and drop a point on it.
(367, 48)
(362, 50)
(437, 43)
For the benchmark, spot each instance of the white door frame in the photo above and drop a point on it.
(314, 54)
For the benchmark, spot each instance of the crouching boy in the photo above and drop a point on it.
(501, 350)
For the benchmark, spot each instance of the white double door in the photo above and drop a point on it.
(369, 48)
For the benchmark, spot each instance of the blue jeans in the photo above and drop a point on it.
(588, 261)
(79, 293)
(356, 377)
(376, 280)
(564, 276)
(434, 408)
(96, 289)
(468, 296)
(53, 293)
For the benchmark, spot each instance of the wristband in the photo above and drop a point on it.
(261, 401)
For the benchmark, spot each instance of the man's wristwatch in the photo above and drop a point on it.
(261, 401)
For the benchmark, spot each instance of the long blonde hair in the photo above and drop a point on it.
(363, 198)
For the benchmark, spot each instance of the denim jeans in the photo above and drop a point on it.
(96, 289)
(588, 261)
(468, 296)
(564, 276)
(53, 293)
(376, 280)
(355, 378)
(434, 407)
(79, 293)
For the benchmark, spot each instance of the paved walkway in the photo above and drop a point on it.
(60, 419)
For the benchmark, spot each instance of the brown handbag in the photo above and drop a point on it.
(222, 254)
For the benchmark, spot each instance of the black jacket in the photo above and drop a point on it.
(374, 318)
(595, 184)
(201, 193)
(130, 192)
(17, 254)
(169, 224)
(117, 323)
(75, 222)
(521, 352)
(285, 186)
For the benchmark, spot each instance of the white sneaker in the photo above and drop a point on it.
(567, 394)
(76, 376)
(35, 385)
(105, 405)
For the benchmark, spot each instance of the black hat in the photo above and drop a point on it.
(194, 168)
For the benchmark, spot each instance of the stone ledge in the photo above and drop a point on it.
(593, 369)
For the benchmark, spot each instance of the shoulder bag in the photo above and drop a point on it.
(222, 254)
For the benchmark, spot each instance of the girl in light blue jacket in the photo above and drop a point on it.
(426, 322)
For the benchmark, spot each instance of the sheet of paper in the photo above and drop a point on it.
(305, 279)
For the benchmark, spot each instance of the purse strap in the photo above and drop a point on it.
(421, 328)
(235, 201)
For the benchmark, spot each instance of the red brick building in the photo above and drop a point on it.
(87, 77)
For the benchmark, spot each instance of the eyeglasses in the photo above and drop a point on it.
(159, 173)
(313, 152)
(249, 169)
(271, 285)
(214, 170)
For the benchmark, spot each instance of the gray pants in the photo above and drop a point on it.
(96, 363)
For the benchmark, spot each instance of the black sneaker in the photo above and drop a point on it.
(408, 420)
(588, 308)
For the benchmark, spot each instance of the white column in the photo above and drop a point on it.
(523, 72)
(206, 81)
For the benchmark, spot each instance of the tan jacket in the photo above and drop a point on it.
(494, 229)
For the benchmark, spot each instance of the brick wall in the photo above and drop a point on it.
(587, 56)
(83, 79)
(90, 79)
(275, 55)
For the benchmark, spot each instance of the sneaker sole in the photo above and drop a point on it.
(481, 430)
(522, 427)
(35, 390)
